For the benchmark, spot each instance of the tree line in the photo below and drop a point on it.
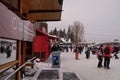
(75, 32)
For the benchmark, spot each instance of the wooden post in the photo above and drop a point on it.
(32, 52)
(32, 49)
(19, 59)
(20, 6)
(23, 56)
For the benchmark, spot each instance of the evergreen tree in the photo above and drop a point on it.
(60, 33)
(68, 35)
(64, 33)
(51, 32)
(55, 32)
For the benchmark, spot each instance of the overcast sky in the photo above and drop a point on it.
(101, 18)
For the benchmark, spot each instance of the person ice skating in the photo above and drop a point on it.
(80, 49)
(115, 51)
(107, 54)
(100, 56)
(71, 48)
(87, 52)
(76, 53)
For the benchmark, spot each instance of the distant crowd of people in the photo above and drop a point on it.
(103, 52)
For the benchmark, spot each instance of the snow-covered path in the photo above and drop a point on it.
(87, 69)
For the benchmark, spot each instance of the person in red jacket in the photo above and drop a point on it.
(107, 54)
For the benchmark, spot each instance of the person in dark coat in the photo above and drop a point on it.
(87, 52)
(54, 48)
(100, 56)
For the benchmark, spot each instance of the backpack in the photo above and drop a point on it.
(107, 50)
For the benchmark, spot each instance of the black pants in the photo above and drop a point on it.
(87, 55)
(106, 62)
(100, 61)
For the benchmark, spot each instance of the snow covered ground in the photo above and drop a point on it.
(86, 69)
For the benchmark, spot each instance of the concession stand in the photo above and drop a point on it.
(42, 44)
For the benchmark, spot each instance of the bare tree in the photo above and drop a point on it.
(78, 31)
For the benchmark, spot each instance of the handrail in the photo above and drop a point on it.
(29, 61)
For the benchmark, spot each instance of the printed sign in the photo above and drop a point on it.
(13, 27)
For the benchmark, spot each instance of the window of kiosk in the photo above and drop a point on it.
(8, 50)
(8, 53)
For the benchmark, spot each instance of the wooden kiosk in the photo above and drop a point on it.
(17, 32)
